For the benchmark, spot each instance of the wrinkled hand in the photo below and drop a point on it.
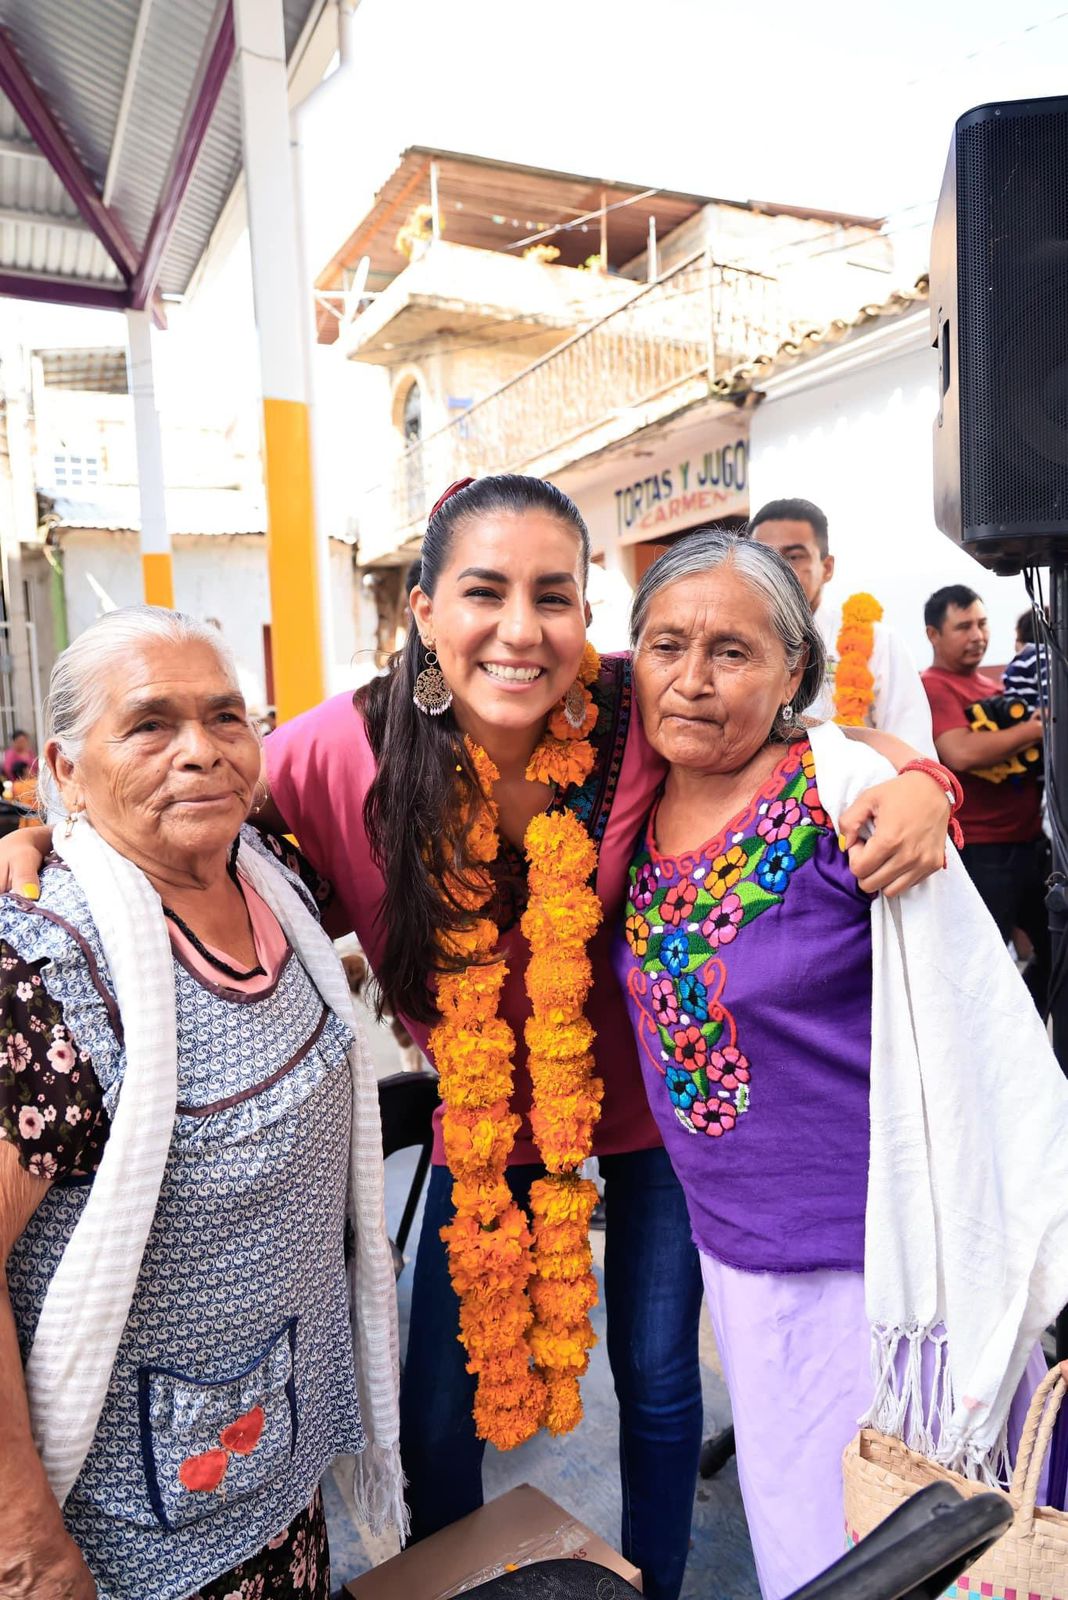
(909, 818)
(58, 1573)
(21, 855)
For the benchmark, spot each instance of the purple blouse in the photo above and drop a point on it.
(747, 971)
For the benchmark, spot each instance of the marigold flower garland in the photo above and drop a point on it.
(525, 1296)
(854, 685)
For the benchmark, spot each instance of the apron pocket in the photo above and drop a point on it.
(209, 1441)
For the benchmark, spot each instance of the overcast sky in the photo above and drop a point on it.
(841, 104)
(844, 106)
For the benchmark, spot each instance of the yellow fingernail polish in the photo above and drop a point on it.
(30, 891)
(841, 841)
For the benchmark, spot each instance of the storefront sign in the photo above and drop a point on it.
(693, 489)
(662, 483)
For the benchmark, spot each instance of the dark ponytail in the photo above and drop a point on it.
(425, 785)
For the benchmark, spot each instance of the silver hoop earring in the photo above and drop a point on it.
(432, 694)
(259, 804)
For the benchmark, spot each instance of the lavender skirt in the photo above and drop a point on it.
(795, 1354)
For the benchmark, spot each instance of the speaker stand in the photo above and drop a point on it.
(1056, 744)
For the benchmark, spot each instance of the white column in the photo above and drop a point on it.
(155, 540)
(279, 294)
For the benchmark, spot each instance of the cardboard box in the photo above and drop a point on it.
(524, 1525)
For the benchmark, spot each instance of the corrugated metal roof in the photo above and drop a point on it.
(77, 54)
(207, 513)
(94, 369)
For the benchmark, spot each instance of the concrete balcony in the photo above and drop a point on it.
(643, 360)
(454, 289)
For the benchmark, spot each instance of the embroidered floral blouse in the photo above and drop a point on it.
(747, 970)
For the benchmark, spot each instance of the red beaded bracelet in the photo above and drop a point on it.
(950, 785)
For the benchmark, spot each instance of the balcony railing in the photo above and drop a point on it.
(694, 323)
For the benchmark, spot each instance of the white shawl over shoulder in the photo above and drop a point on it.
(967, 1214)
(88, 1300)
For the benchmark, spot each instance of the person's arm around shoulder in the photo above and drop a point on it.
(38, 1558)
(907, 819)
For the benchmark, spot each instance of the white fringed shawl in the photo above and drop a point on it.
(967, 1214)
(88, 1300)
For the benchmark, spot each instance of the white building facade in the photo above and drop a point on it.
(850, 427)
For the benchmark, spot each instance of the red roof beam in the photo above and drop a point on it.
(215, 62)
(56, 147)
(64, 292)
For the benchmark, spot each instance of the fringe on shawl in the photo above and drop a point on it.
(375, 1486)
(906, 1408)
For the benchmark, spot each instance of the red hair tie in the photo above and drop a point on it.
(454, 488)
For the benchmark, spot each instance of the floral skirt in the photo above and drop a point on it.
(294, 1565)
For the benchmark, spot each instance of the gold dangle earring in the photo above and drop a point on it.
(432, 694)
(575, 704)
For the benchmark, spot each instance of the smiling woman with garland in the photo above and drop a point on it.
(476, 809)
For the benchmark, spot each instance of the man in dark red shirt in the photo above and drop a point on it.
(1005, 851)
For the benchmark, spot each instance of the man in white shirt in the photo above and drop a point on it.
(797, 529)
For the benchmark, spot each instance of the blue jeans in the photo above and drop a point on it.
(652, 1303)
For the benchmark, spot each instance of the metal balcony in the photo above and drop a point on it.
(641, 361)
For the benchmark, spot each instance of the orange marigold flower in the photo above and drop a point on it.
(559, 978)
(557, 1037)
(561, 1305)
(559, 762)
(553, 1079)
(590, 665)
(565, 1264)
(856, 640)
(479, 1139)
(557, 1200)
(562, 1352)
(475, 993)
(854, 675)
(508, 1426)
(487, 1327)
(564, 1404)
(485, 1198)
(861, 608)
(473, 943)
(554, 921)
(485, 771)
(559, 846)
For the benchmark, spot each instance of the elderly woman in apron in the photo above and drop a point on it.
(187, 1118)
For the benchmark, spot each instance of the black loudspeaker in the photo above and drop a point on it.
(999, 320)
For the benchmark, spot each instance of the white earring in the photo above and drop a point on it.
(788, 712)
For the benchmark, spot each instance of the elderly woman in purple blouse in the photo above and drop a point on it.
(850, 1247)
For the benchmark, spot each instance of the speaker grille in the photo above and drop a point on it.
(1012, 274)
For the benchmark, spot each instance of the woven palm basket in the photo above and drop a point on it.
(1030, 1561)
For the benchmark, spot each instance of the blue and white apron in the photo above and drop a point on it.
(233, 1385)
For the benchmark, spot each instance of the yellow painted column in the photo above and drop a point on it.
(281, 311)
(156, 571)
(295, 620)
(157, 579)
